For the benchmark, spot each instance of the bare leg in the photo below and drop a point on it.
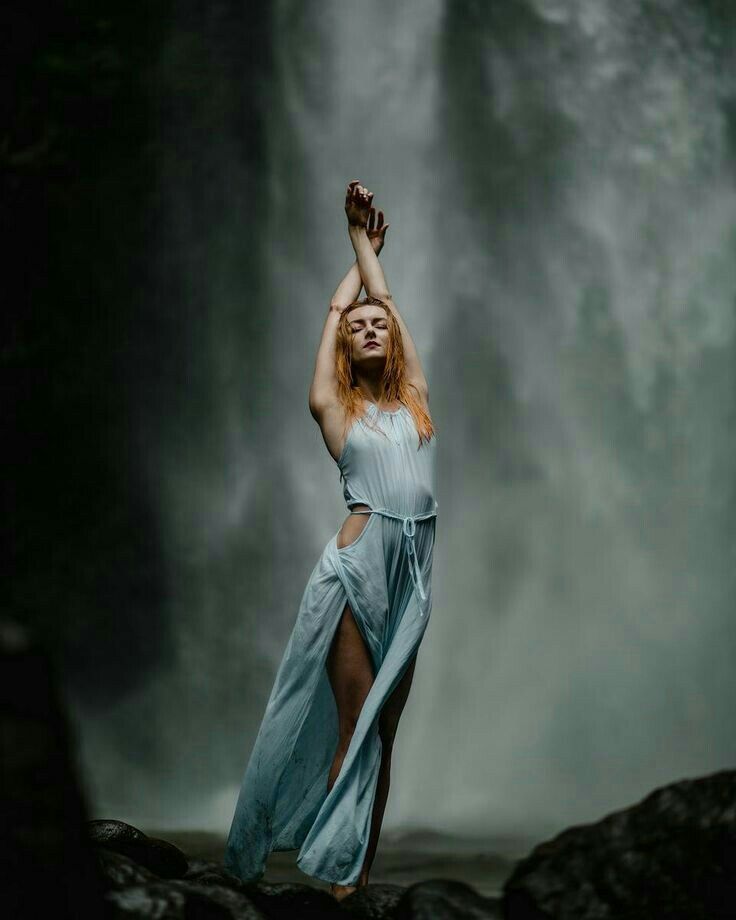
(350, 670)
(388, 724)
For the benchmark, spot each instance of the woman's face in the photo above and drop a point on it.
(369, 328)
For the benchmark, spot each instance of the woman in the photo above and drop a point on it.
(318, 777)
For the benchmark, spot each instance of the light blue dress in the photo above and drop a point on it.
(385, 576)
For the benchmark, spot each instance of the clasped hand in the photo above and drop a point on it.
(360, 213)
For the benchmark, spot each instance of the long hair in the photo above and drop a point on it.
(393, 381)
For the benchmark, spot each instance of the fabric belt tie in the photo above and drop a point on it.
(409, 528)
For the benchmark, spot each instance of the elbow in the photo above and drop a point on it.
(420, 387)
(314, 409)
(318, 402)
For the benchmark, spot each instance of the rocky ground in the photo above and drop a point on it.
(671, 856)
(402, 859)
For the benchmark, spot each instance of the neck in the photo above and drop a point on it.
(370, 386)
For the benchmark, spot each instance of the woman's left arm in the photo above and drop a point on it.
(348, 290)
(376, 286)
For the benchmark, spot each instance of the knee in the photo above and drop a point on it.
(347, 724)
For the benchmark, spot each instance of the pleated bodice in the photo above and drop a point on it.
(387, 468)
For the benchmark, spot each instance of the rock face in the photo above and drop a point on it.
(160, 857)
(289, 900)
(672, 856)
(48, 865)
(445, 899)
(373, 902)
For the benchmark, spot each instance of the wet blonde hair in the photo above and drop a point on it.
(394, 385)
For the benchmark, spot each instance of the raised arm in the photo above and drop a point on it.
(348, 290)
(357, 208)
(323, 391)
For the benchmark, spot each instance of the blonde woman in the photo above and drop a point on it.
(318, 776)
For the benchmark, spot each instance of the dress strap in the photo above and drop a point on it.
(409, 527)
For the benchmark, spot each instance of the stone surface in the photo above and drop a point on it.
(237, 903)
(121, 871)
(108, 831)
(373, 902)
(290, 901)
(672, 856)
(159, 900)
(445, 899)
(208, 872)
(133, 891)
(160, 857)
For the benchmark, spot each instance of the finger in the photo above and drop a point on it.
(380, 218)
(353, 182)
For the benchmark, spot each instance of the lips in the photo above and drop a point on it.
(372, 345)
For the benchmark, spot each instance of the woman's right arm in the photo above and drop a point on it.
(323, 391)
(324, 404)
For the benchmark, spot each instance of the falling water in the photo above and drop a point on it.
(559, 180)
(580, 652)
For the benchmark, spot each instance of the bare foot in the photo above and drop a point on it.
(341, 891)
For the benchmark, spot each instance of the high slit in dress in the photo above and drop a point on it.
(385, 576)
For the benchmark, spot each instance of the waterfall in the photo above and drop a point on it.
(559, 180)
(581, 644)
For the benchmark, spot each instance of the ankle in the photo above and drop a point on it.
(341, 891)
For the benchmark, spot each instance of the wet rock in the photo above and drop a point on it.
(672, 855)
(121, 871)
(163, 900)
(445, 899)
(373, 902)
(158, 856)
(106, 831)
(290, 901)
(237, 903)
(207, 872)
(135, 892)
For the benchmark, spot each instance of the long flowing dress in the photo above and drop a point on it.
(385, 576)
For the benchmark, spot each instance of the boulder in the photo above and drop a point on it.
(164, 899)
(158, 856)
(671, 856)
(445, 899)
(207, 872)
(373, 902)
(293, 901)
(121, 871)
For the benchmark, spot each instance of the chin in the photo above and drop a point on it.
(369, 359)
